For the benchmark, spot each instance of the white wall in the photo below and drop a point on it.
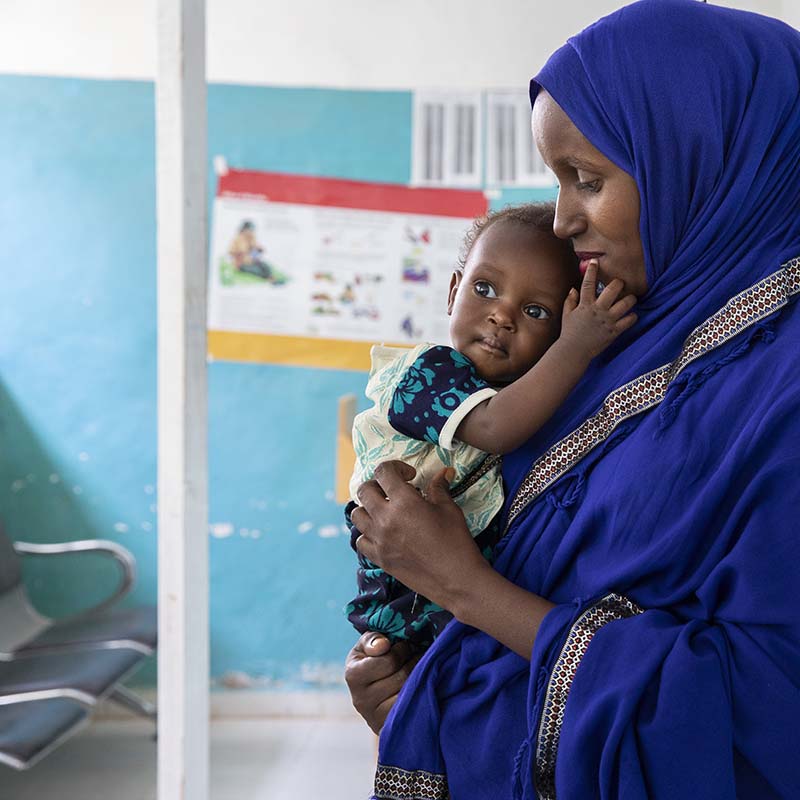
(348, 43)
(790, 12)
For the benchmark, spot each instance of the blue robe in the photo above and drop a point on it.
(659, 508)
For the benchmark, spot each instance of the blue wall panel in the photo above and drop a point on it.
(78, 371)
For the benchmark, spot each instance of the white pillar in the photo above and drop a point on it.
(182, 402)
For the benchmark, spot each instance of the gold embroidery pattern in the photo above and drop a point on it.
(610, 608)
(648, 390)
(488, 463)
(392, 783)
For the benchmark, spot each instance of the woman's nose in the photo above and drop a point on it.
(569, 220)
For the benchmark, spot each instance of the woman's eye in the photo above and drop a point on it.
(589, 186)
(485, 289)
(536, 312)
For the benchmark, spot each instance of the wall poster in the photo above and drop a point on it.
(313, 271)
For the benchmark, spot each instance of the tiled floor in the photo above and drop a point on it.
(251, 759)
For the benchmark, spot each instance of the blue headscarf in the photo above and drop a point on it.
(700, 104)
(670, 547)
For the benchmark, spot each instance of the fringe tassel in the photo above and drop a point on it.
(689, 384)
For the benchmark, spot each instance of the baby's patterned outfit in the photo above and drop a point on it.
(420, 397)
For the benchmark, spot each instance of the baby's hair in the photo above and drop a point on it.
(539, 215)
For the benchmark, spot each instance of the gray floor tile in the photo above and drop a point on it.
(253, 759)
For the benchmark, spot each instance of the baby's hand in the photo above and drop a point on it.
(591, 322)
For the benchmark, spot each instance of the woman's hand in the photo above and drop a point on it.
(375, 671)
(423, 540)
(420, 539)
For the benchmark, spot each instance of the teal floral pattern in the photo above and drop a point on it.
(417, 378)
(431, 389)
(386, 605)
(415, 393)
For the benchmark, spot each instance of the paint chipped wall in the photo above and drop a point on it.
(78, 372)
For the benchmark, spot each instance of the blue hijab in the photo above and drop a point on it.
(669, 544)
(700, 105)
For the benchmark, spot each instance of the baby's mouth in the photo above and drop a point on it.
(492, 344)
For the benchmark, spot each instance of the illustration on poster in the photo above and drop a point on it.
(244, 262)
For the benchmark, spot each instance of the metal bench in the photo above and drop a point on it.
(31, 729)
(54, 671)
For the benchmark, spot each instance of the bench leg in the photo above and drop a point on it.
(131, 701)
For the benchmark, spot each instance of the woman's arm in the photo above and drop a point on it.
(424, 542)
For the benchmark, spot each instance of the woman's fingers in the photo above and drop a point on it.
(370, 494)
(370, 643)
(392, 683)
(438, 489)
(368, 549)
(375, 644)
(374, 680)
(364, 668)
(384, 706)
(393, 477)
(360, 517)
(382, 710)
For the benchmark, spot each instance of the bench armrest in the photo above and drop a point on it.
(123, 557)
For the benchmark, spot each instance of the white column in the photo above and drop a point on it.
(182, 402)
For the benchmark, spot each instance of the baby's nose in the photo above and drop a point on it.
(501, 317)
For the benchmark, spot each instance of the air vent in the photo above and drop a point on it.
(511, 156)
(447, 139)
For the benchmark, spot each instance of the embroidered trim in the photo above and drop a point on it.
(648, 390)
(610, 608)
(488, 463)
(393, 783)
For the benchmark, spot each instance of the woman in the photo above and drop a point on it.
(638, 636)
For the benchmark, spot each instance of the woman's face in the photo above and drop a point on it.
(598, 203)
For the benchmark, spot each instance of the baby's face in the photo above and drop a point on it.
(505, 308)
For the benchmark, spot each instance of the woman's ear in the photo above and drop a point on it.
(455, 280)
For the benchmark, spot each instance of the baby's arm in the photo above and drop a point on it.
(509, 418)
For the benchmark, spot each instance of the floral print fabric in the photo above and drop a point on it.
(420, 397)
(431, 390)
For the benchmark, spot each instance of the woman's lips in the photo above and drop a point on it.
(584, 259)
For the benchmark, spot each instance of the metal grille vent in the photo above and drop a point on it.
(511, 156)
(447, 139)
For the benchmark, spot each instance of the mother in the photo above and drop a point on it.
(638, 635)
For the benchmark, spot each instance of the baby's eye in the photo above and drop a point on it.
(536, 312)
(485, 289)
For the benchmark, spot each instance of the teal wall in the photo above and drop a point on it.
(78, 363)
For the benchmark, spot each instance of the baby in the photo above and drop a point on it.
(522, 338)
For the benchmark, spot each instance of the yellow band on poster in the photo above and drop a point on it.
(297, 351)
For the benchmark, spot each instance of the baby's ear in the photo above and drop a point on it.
(455, 280)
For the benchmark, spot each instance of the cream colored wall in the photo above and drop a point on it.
(789, 12)
(347, 43)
